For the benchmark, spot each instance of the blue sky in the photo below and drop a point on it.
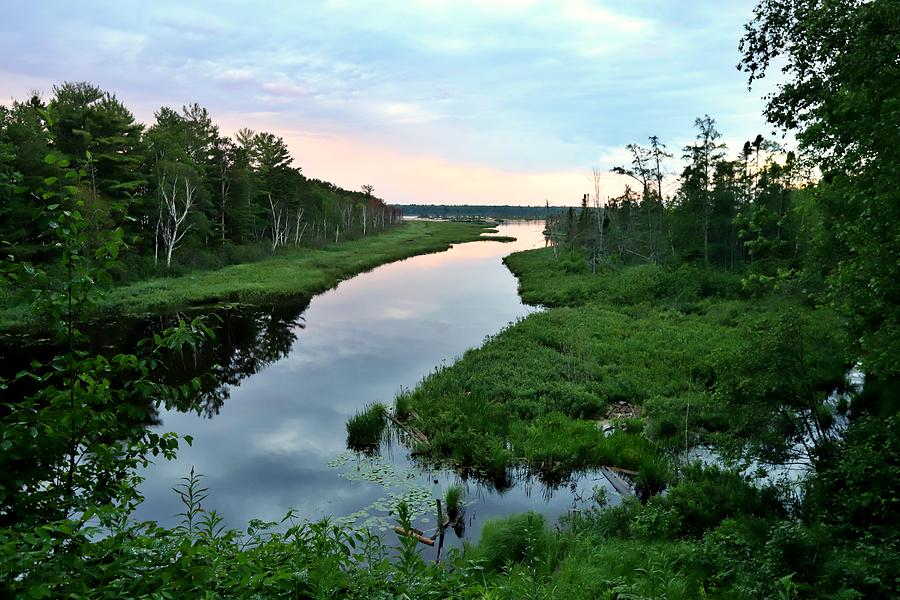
(490, 101)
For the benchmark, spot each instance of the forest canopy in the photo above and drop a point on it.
(182, 190)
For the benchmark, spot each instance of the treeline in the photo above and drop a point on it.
(179, 188)
(727, 211)
(505, 211)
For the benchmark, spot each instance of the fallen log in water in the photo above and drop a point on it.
(622, 488)
(415, 535)
(410, 430)
(620, 470)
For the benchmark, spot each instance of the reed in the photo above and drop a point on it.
(365, 429)
(454, 500)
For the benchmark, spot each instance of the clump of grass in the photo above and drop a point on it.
(652, 478)
(403, 406)
(365, 429)
(454, 499)
(514, 539)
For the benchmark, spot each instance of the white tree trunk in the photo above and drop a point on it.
(176, 205)
(297, 233)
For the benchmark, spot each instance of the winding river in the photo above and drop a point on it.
(271, 435)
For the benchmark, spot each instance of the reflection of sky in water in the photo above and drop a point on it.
(267, 450)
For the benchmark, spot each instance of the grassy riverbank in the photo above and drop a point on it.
(638, 349)
(697, 358)
(302, 272)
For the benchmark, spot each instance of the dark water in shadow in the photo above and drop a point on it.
(271, 436)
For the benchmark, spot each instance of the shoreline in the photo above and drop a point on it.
(300, 273)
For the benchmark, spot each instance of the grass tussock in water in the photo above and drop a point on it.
(366, 429)
(402, 406)
(454, 498)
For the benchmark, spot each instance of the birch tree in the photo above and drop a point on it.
(177, 199)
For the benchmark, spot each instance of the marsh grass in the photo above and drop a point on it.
(522, 538)
(402, 406)
(453, 498)
(366, 429)
(654, 474)
(290, 273)
(533, 394)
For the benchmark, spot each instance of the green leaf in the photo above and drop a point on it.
(50, 158)
(50, 180)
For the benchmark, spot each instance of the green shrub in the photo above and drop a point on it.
(707, 495)
(656, 522)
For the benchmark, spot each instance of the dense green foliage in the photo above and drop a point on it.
(184, 194)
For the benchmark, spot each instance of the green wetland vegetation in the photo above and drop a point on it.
(729, 320)
(293, 273)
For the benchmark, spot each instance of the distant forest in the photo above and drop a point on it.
(467, 210)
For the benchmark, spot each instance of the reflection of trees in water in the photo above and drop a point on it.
(501, 480)
(247, 340)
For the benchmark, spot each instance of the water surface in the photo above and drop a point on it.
(271, 434)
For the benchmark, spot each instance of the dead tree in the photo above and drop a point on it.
(177, 195)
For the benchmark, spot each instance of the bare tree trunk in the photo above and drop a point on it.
(601, 210)
(276, 222)
(297, 234)
(156, 238)
(173, 228)
(224, 197)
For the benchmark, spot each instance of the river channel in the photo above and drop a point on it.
(270, 436)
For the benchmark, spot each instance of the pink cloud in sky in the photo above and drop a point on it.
(400, 176)
(403, 178)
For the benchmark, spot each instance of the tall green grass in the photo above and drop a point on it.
(514, 539)
(402, 406)
(453, 498)
(365, 429)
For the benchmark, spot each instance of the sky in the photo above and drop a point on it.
(429, 101)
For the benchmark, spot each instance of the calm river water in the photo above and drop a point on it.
(271, 436)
